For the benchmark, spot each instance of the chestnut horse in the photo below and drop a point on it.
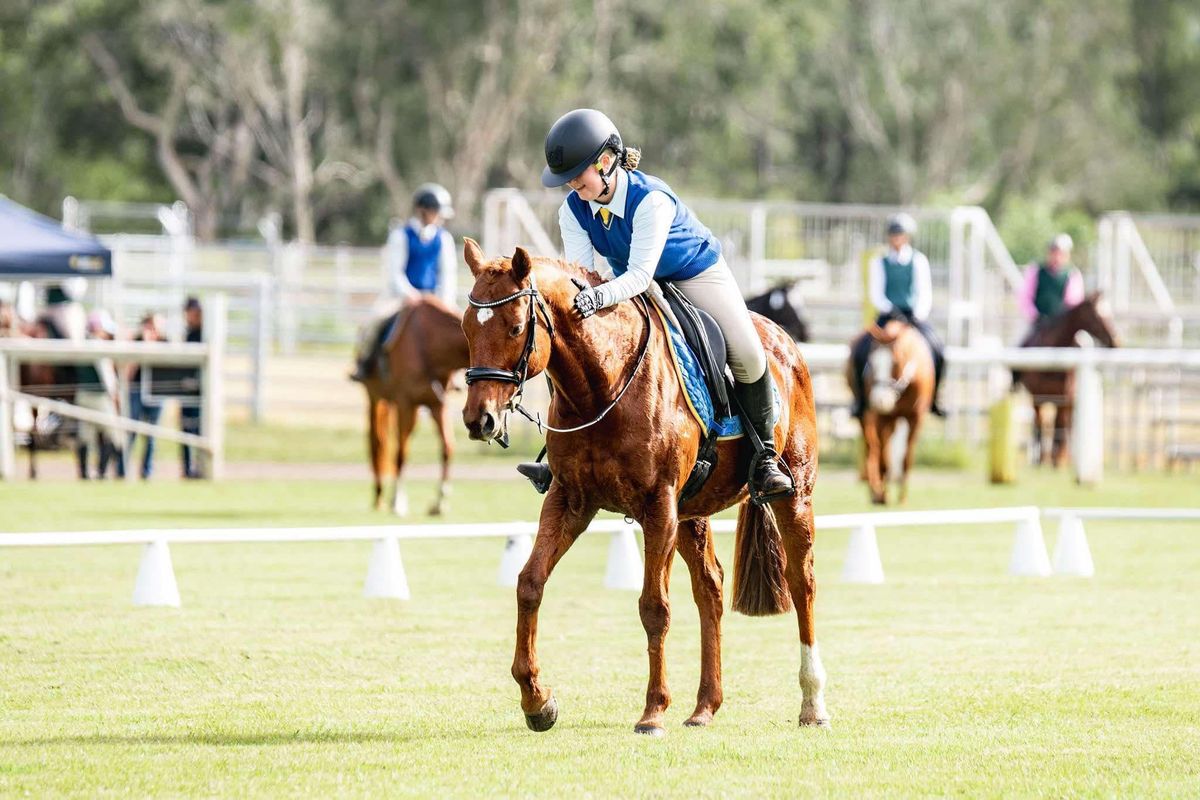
(42, 380)
(899, 386)
(621, 438)
(422, 355)
(1058, 388)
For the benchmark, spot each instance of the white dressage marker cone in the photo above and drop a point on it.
(1029, 550)
(516, 553)
(863, 564)
(155, 585)
(385, 573)
(624, 561)
(1072, 556)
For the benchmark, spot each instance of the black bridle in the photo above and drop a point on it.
(519, 374)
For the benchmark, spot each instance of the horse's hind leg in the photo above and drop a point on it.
(406, 420)
(559, 527)
(794, 516)
(439, 412)
(695, 544)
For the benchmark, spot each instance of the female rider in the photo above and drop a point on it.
(646, 232)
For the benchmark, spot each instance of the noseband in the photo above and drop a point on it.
(519, 374)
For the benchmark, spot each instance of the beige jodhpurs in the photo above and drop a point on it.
(715, 291)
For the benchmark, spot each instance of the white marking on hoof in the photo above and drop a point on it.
(400, 502)
(812, 684)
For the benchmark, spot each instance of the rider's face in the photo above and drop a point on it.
(897, 240)
(1055, 258)
(589, 185)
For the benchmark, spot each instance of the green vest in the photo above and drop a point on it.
(898, 283)
(1051, 289)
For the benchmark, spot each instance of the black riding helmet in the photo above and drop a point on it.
(434, 197)
(574, 143)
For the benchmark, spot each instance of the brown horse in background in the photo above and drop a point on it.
(42, 380)
(422, 354)
(1057, 389)
(899, 386)
(634, 459)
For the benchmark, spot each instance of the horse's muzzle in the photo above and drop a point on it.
(486, 427)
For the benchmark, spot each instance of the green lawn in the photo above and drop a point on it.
(276, 678)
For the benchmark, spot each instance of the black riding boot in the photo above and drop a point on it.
(767, 480)
(939, 368)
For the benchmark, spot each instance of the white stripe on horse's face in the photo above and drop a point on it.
(882, 395)
(483, 315)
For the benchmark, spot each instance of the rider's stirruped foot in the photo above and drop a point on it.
(361, 373)
(768, 482)
(936, 409)
(538, 474)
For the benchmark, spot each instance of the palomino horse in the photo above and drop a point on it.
(422, 356)
(621, 439)
(899, 386)
(1058, 388)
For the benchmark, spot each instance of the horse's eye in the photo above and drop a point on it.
(515, 331)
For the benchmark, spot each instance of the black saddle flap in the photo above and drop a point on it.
(704, 336)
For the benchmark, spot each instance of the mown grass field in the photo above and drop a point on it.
(276, 677)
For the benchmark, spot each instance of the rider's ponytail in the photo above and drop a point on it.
(630, 158)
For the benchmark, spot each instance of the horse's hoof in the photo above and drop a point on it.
(543, 720)
(649, 730)
(696, 722)
(815, 723)
(437, 511)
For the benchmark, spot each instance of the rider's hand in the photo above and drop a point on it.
(589, 301)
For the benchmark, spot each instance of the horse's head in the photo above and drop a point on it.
(783, 305)
(1093, 317)
(508, 333)
(888, 375)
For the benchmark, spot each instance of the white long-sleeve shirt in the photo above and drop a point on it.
(922, 282)
(651, 227)
(396, 262)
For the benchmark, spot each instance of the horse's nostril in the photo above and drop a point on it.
(487, 423)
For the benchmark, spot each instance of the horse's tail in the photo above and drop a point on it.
(759, 586)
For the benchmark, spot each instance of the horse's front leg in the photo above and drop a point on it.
(1062, 431)
(559, 527)
(910, 452)
(439, 412)
(696, 546)
(660, 528)
(876, 455)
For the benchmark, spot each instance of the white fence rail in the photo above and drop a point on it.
(207, 357)
(156, 584)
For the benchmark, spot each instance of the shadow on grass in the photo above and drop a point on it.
(275, 739)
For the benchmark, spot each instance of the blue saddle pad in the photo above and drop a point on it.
(687, 366)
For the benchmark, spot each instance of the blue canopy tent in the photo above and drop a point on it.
(33, 246)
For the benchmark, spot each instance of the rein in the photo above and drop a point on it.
(520, 373)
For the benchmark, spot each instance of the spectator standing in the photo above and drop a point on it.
(189, 414)
(97, 390)
(141, 408)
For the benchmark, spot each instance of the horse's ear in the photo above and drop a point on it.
(473, 255)
(522, 263)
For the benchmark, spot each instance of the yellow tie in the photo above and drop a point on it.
(605, 214)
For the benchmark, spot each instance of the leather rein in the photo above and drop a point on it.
(519, 374)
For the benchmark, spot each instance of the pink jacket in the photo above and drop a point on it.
(1073, 295)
